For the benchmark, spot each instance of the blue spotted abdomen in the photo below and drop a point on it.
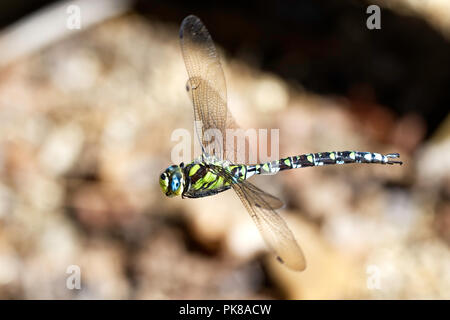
(320, 159)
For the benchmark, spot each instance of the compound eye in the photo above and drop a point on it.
(175, 184)
(163, 176)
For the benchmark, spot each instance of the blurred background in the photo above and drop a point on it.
(86, 117)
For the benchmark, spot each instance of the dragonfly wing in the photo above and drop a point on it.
(268, 199)
(206, 86)
(272, 227)
(261, 207)
(207, 89)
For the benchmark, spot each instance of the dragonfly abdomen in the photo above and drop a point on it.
(321, 159)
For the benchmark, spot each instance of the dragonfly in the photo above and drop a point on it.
(213, 172)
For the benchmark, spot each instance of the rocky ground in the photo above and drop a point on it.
(85, 130)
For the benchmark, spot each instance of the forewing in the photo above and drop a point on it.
(206, 86)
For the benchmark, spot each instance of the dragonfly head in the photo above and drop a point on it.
(171, 181)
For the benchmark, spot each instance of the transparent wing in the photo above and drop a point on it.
(272, 227)
(206, 87)
(269, 200)
(274, 230)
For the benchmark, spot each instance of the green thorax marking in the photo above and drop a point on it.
(203, 176)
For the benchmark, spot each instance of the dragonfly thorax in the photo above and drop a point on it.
(171, 180)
